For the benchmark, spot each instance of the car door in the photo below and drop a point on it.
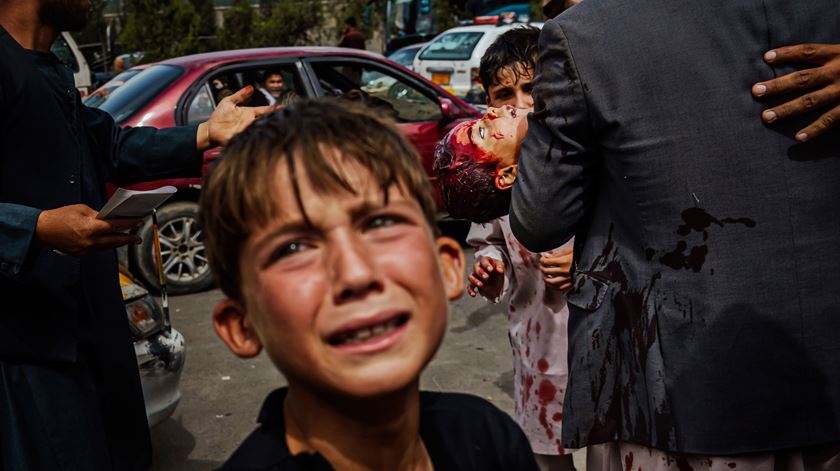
(415, 106)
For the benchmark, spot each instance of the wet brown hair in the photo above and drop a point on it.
(239, 194)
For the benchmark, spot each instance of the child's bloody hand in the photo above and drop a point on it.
(557, 269)
(485, 275)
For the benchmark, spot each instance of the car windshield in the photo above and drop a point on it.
(98, 97)
(405, 56)
(127, 99)
(452, 46)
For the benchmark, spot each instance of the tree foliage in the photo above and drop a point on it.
(159, 39)
(277, 23)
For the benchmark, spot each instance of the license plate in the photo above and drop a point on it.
(440, 78)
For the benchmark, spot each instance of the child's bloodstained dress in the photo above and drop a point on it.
(537, 318)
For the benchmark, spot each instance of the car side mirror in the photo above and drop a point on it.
(448, 109)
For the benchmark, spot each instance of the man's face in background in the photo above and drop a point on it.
(64, 15)
(274, 84)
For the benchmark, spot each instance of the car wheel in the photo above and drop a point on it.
(182, 250)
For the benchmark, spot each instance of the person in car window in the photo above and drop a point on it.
(70, 395)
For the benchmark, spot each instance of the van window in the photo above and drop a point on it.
(62, 50)
(127, 99)
(452, 46)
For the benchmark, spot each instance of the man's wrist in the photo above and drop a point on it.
(202, 137)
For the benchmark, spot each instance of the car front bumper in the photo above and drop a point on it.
(161, 360)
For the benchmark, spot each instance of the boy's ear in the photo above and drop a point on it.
(451, 259)
(506, 176)
(235, 329)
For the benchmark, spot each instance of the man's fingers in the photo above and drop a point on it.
(264, 110)
(807, 53)
(120, 224)
(803, 104)
(820, 126)
(243, 94)
(800, 80)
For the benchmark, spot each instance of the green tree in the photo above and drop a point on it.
(290, 23)
(238, 29)
(145, 30)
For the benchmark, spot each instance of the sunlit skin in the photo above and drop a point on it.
(359, 261)
(274, 84)
(512, 90)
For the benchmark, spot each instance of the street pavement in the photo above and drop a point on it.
(223, 394)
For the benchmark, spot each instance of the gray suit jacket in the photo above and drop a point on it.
(705, 313)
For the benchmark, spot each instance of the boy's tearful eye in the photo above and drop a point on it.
(382, 221)
(286, 250)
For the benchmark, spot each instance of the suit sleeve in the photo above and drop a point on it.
(143, 153)
(554, 187)
(17, 228)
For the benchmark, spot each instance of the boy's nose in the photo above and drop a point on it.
(355, 274)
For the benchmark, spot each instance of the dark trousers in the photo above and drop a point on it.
(51, 418)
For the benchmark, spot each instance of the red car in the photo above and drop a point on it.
(185, 90)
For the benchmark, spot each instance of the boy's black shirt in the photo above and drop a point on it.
(460, 432)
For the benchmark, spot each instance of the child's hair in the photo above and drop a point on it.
(515, 48)
(467, 181)
(309, 137)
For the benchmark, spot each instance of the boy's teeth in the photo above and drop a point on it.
(361, 335)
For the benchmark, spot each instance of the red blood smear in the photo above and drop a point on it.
(544, 423)
(557, 417)
(542, 364)
(539, 329)
(529, 383)
(546, 391)
(560, 449)
(628, 461)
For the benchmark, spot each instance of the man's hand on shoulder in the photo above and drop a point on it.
(229, 119)
(819, 86)
(74, 230)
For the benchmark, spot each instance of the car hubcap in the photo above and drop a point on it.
(182, 251)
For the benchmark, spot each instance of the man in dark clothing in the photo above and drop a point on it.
(70, 395)
(351, 37)
(703, 316)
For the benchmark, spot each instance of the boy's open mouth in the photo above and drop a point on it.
(368, 332)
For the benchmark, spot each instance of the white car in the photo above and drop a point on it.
(159, 349)
(452, 58)
(67, 51)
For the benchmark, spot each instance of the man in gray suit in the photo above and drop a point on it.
(705, 311)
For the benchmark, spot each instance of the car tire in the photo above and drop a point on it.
(182, 251)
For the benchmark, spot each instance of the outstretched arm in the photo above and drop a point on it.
(818, 87)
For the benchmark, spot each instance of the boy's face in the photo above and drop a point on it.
(274, 84)
(498, 134)
(512, 90)
(354, 304)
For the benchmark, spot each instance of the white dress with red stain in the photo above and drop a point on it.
(537, 318)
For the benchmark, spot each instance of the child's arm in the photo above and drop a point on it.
(489, 277)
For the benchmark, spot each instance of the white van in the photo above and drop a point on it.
(67, 51)
(452, 58)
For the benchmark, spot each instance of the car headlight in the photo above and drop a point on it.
(144, 317)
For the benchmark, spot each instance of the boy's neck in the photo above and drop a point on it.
(375, 434)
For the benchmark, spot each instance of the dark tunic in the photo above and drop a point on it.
(460, 432)
(64, 338)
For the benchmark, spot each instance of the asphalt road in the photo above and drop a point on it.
(222, 394)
